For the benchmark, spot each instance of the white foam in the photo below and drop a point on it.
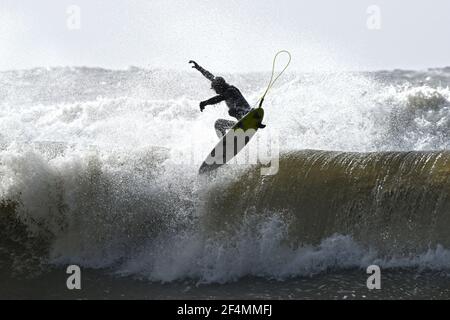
(82, 167)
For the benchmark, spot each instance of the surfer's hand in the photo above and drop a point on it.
(195, 64)
(202, 106)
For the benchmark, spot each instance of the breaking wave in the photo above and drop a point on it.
(90, 173)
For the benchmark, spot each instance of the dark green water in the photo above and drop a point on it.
(338, 285)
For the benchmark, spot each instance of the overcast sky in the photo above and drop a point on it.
(232, 35)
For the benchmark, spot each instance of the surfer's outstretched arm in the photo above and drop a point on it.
(213, 100)
(208, 75)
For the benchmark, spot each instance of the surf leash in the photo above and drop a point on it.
(272, 79)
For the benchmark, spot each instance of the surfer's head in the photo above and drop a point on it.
(219, 85)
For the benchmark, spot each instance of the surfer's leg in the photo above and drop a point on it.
(222, 126)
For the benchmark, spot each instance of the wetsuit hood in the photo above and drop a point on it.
(219, 85)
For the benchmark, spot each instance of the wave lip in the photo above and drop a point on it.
(393, 201)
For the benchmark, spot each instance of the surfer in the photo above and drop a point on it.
(237, 105)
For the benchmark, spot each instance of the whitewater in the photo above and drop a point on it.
(99, 168)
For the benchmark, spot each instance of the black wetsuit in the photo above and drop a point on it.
(237, 105)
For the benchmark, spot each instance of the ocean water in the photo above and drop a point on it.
(99, 168)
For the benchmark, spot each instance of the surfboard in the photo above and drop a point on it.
(233, 141)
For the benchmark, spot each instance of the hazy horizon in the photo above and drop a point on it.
(148, 68)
